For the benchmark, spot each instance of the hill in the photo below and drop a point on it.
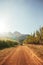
(14, 36)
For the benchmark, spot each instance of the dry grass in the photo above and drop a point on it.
(4, 53)
(37, 49)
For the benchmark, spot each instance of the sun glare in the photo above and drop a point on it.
(2, 27)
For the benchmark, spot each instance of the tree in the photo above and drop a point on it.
(41, 35)
(35, 38)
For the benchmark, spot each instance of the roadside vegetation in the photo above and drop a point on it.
(7, 44)
(35, 42)
(35, 38)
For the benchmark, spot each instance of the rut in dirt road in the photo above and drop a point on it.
(22, 56)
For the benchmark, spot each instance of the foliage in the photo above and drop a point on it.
(35, 38)
(7, 44)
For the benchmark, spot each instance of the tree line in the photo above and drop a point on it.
(7, 44)
(35, 38)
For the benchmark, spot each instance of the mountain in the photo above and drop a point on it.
(21, 38)
(16, 36)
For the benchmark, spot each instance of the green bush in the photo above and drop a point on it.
(35, 38)
(7, 44)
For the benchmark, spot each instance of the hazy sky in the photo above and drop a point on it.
(25, 16)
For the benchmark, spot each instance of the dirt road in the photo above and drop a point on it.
(22, 55)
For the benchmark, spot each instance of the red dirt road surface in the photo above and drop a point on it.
(22, 55)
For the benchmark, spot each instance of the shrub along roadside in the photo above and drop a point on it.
(35, 38)
(7, 44)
